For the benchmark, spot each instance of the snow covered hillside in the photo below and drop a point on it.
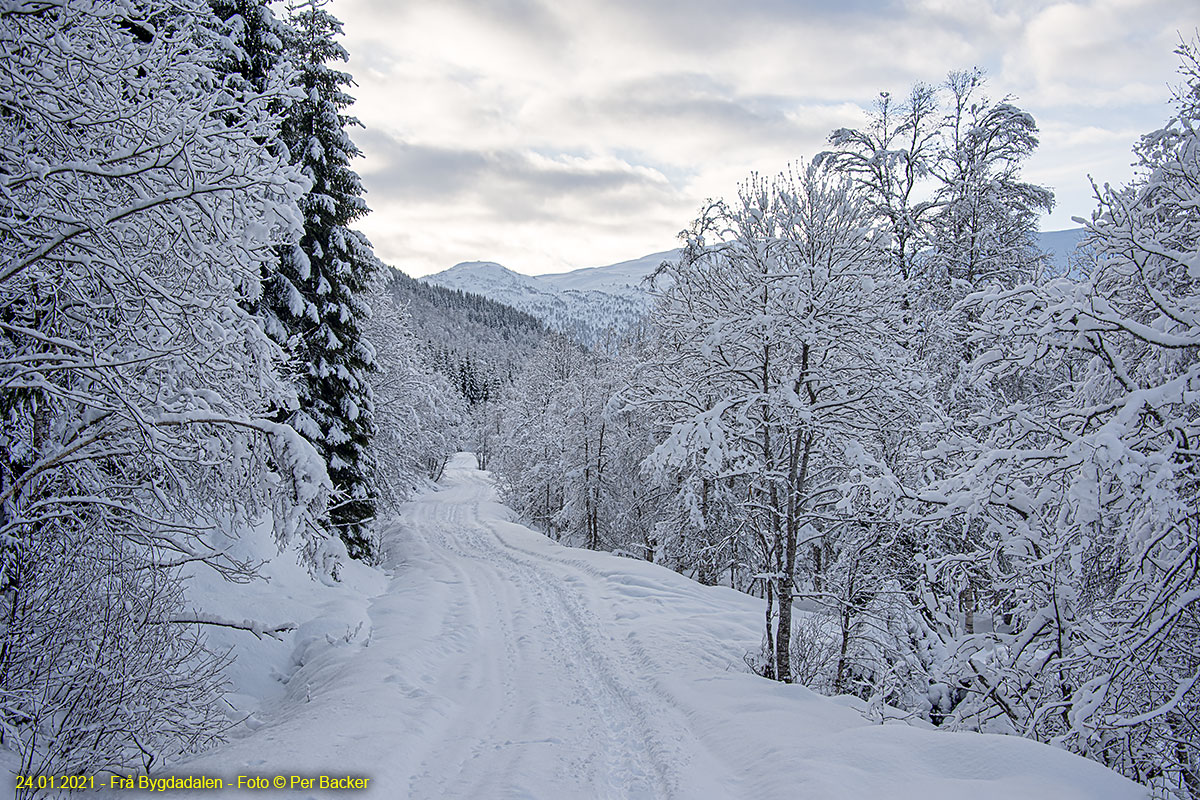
(1061, 246)
(498, 664)
(584, 303)
(623, 278)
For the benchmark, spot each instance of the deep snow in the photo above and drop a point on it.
(493, 663)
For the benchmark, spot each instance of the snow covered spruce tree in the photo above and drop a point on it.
(139, 202)
(782, 378)
(318, 294)
(1088, 490)
(256, 36)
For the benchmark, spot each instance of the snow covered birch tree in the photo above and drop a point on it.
(533, 447)
(983, 216)
(138, 205)
(780, 367)
(982, 225)
(418, 413)
(890, 159)
(943, 172)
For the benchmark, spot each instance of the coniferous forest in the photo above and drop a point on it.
(959, 484)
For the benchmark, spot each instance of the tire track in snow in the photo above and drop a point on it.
(570, 714)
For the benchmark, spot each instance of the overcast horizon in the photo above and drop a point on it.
(550, 137)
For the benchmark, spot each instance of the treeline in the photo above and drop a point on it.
(186, 347)
(479, 345)
(965, 486)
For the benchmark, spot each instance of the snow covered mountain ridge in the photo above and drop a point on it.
(585, 303)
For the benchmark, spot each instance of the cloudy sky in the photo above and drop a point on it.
(555, 134)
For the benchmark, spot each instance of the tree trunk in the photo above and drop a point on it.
(769, 664)
(968, 603)
(843, 650)
(783, 634)
(797, 477)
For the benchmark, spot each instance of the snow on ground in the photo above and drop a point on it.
(495, 663)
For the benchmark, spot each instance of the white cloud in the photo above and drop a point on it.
(1098, 53)
(553, 135)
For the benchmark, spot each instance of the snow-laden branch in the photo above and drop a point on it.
(259, 629)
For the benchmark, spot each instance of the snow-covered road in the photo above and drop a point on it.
(550, 702)
(497, 664)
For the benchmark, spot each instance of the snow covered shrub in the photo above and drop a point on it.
(92, 649)
(698, 533)
(139, 205)
(814, 651)
(868, 636)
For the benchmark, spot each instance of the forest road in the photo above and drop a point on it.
(495, 664)
(553, 701)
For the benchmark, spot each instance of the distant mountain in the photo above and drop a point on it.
(585, 303)
(470, 274)
(620, 278)
(1061, 246)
